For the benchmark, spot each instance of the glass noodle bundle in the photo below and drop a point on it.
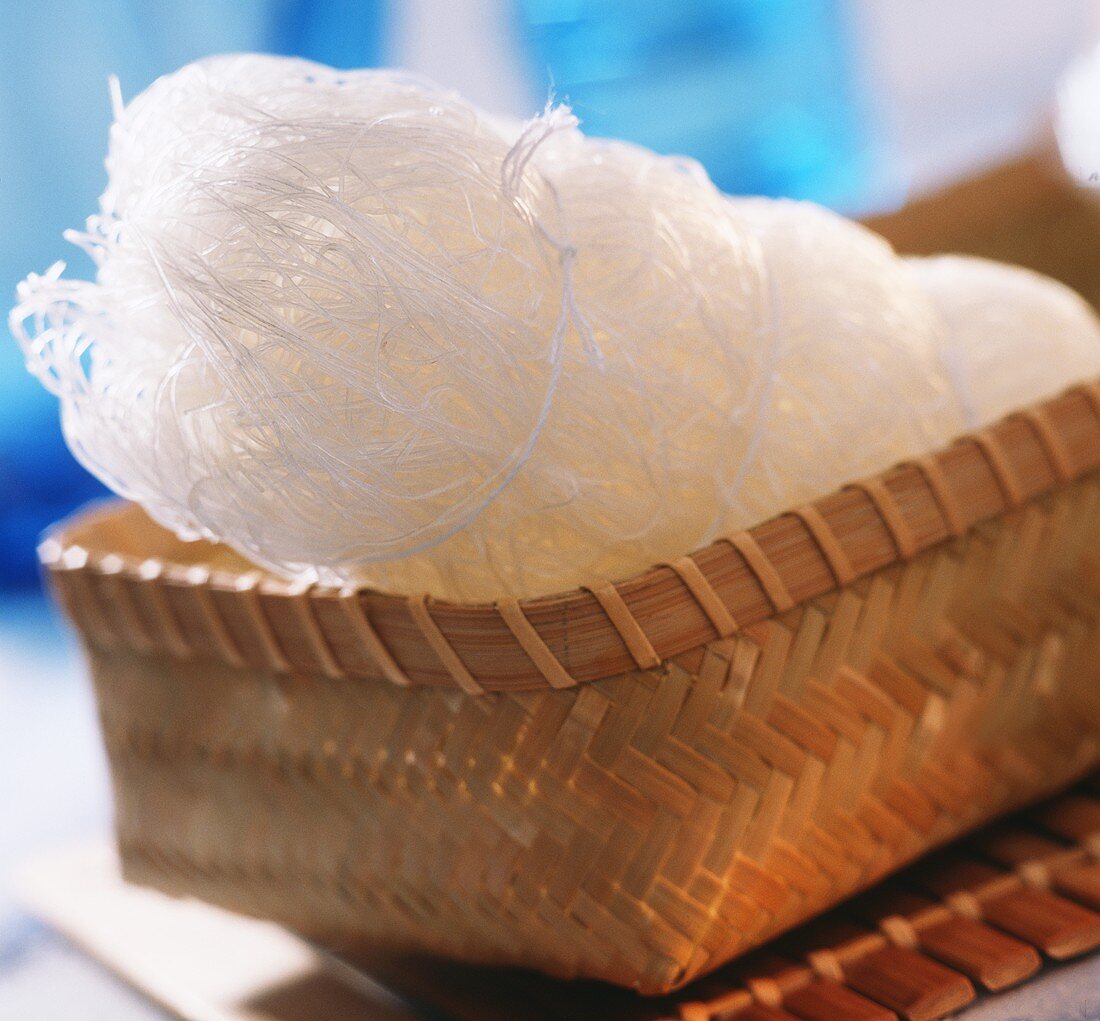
(363, 332)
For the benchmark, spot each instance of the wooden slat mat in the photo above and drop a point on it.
(979, 917)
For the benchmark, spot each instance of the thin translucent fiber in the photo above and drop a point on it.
(363, 333)
(1012, 336)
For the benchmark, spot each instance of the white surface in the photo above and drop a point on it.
(199, 962)
(53, 788)
(53, 776)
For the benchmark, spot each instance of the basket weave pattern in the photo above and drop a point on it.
(636, 782)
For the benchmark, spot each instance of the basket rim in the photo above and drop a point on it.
(587, 634)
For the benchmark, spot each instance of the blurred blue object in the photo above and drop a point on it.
(55, 59)
(761, 92)
(342, 33)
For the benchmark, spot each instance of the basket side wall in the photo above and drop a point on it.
(641, 829)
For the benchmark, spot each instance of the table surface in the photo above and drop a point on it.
(54, 791)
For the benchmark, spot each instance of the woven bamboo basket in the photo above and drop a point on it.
(634, 782)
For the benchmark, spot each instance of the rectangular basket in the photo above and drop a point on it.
(634, 782)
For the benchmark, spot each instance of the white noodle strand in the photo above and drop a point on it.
(361, 332)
